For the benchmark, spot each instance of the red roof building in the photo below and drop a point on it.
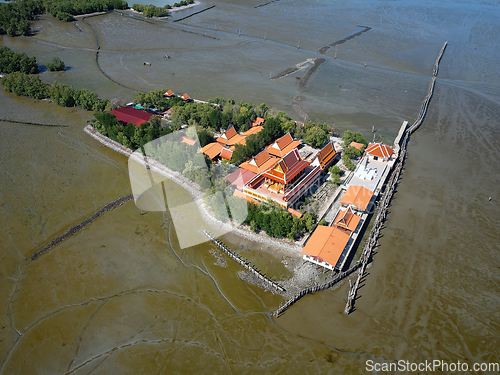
(258, 121)
(283, 146)
(357, 196)
(379, 151)
(231, 137)
(240, 177)
(132, 115)
(326, 245)
(295, 213)
(185, 97)
(226, 153)
(288, 169)
(212, 150)
(260, 163)
(357, 145)
(347, 219)
(252, 130)
(169, 94)
(325, 157)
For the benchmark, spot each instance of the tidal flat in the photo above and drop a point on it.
(122, 297)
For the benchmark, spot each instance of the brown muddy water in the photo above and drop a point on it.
(122, 297)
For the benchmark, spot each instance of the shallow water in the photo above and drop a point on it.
(121, 296)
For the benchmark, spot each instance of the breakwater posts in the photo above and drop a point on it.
(436, 64)
(192, 14)
(430, 91)
(244, 263)
(280, 310)
(372, 241)
(71, 231)
(264, 4)
(33, 123)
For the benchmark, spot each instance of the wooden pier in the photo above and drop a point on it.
(244, 263)
(372, 241)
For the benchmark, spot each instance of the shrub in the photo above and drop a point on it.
(56, 65)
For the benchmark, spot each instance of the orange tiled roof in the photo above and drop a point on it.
(347, 219)
(258, 121)
(260, 163)
(326, 155)
(289, 167)
(188, 141)
(295, 213)
(357, 145)
(185, 97)
(379, 149)
(358, 196)
(168, 93)
(212, 150)
(283, 145)
(226, 153)
(253, 130)
(327, 244)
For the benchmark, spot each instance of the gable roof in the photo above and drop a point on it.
(253, 130)
(347, 219)
(226, 153)
(289, 167)
(296, 213)
(168, 93)
(240, 177)
(258, 121)
(212, 150)
(326, 155)
(358, 196)
(185, 97)
(283, 145)
(327, 244)
(357, 145)
(260, 163)
(379, 149)
(129, 114)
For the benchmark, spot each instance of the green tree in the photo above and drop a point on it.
(348, 163)
(350, 136)
(335, 170)
(316, 136)
(56, 65)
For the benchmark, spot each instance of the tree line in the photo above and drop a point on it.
(151, 10)
(16, 16)
(65, 10)
(11, 61)
(33, 87)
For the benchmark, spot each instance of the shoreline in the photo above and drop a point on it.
(197, 195)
